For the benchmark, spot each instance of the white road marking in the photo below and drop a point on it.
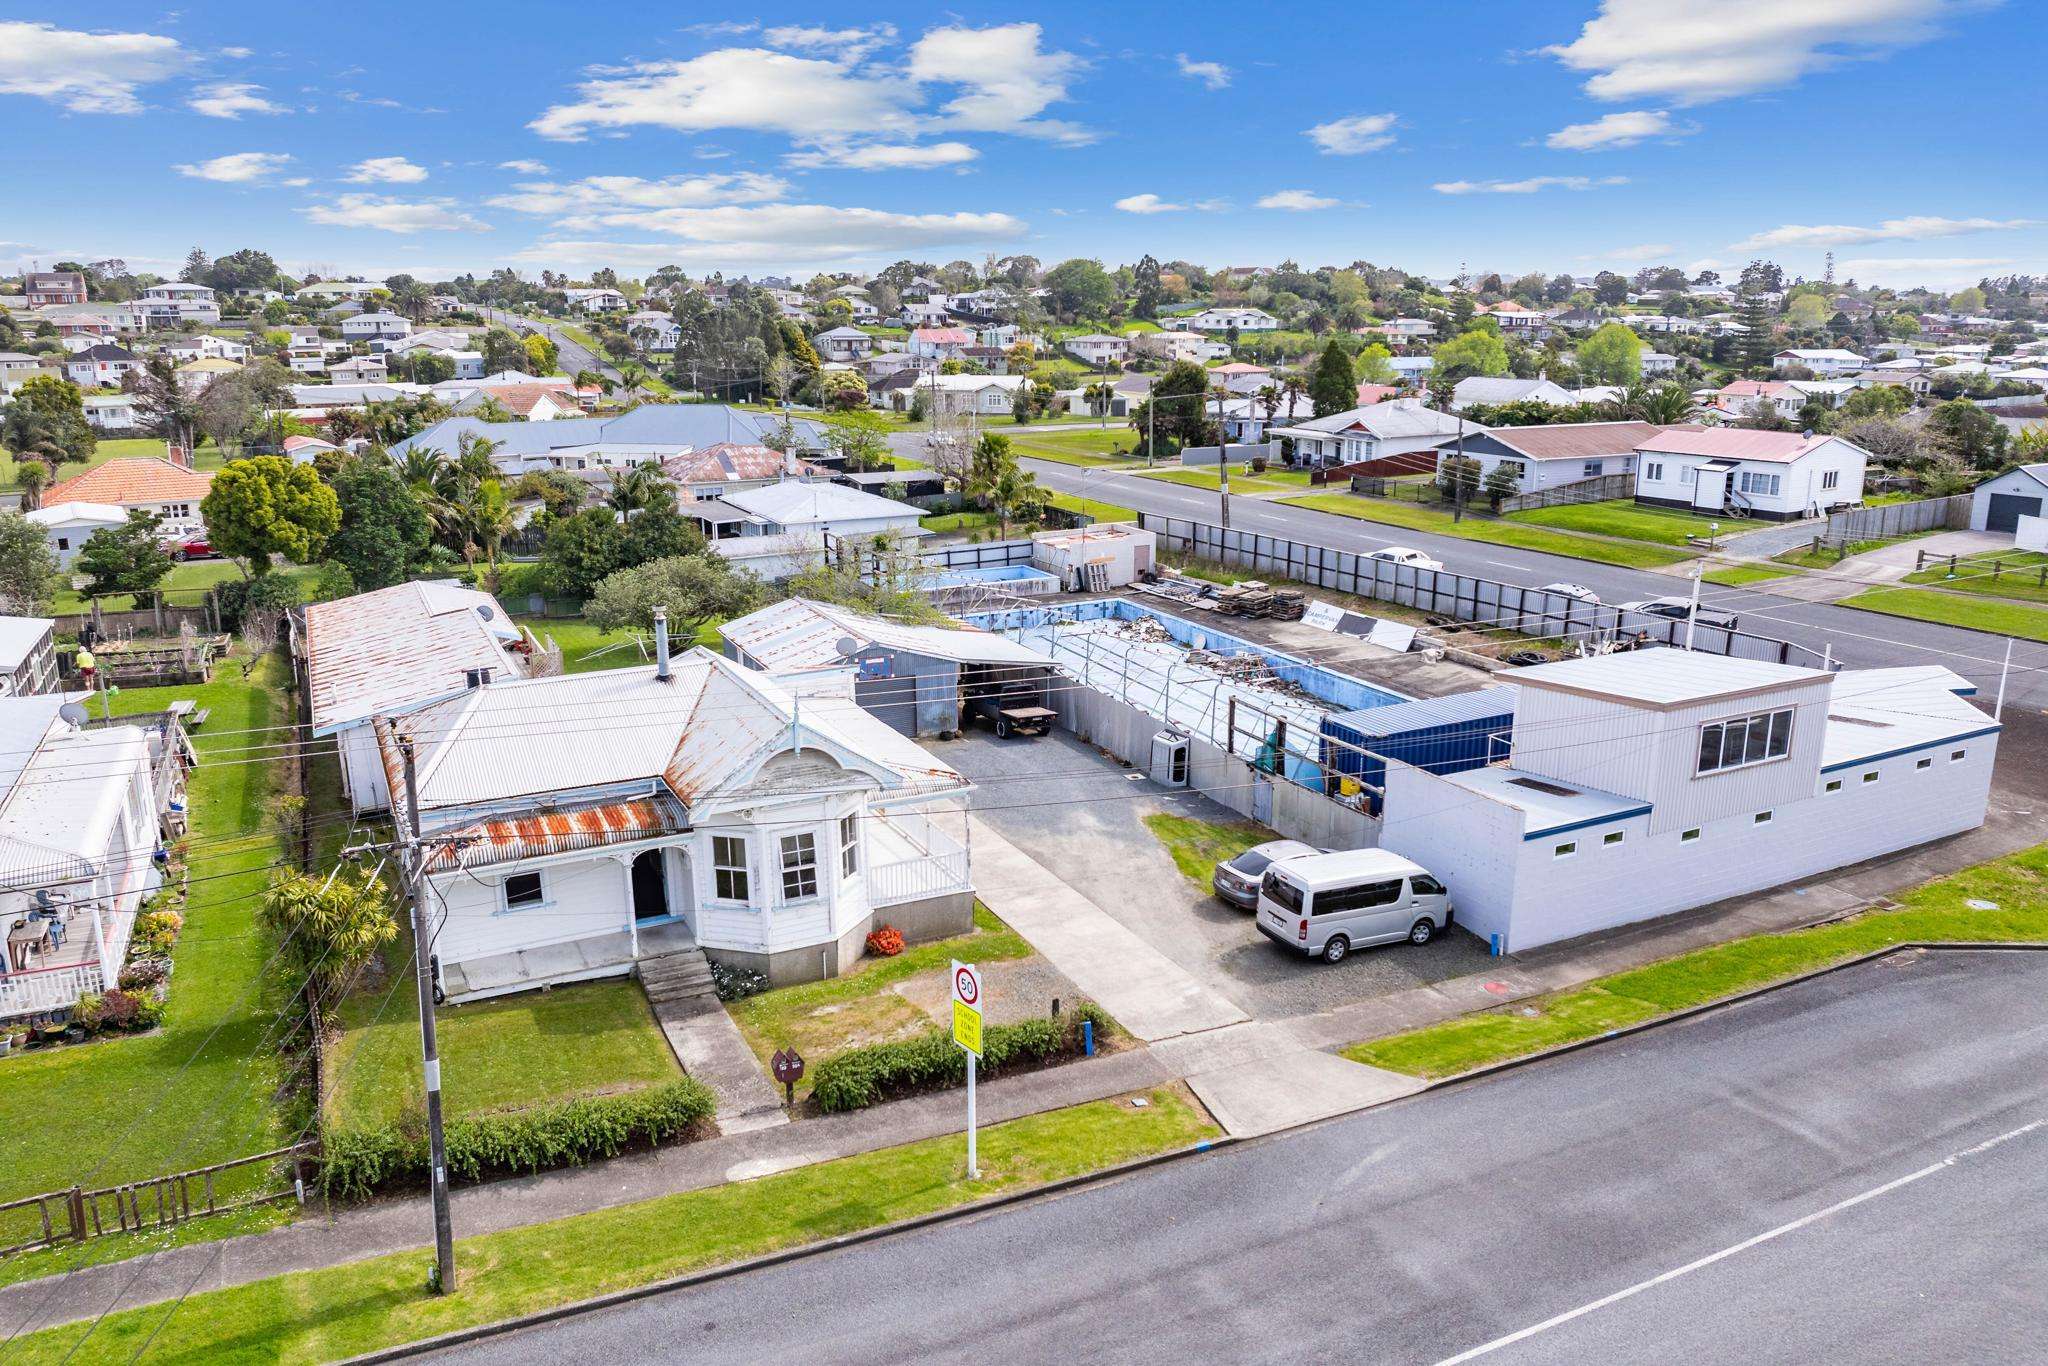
(1887, 1188)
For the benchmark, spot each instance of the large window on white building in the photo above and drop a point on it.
(1744, 740)
(849, 845)
(729, 868)
(799, 867)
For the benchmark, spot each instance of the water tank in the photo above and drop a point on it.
(1170, 758)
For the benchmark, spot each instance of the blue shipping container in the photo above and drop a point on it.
(1442, 734)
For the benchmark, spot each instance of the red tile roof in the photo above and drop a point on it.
(1369, 394)
(132, 480)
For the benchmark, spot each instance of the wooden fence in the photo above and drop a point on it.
(1896, 519)
(77, 1214)
(1600, 488)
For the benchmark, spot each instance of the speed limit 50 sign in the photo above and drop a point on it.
(967, 1007)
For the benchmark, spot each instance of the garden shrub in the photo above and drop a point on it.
(860, 1077)
(885, 942)
(155, 934)
(144, 973)
(355, 1163)
(735, 983)
(119, 1012)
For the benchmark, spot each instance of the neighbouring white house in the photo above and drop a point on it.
(205, 346)
(102, 366)
(175, 301)
(67, 525)
(1173, 346)
(1394, 427)
(1751, 396)
(793, 525)
(1999, 502)
(1825, 362)
(367, 326)
(28, 656)
(596, 300)
(111, 412)
(360, 370)
(195, 375)
(1650, 782)
(761, 824)
(989, 395)
(653, 330)
(169, 489)
(1404, 329)
(393, 651)
(328, 291)
(1489, 391)
(843, 344)
(1098, 349)
(940, 343)
(1777, 476)
(1564, 453)
(79, 846)
(1657, 364)
(1225, 319)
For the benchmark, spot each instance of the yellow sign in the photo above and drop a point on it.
(967, 1027)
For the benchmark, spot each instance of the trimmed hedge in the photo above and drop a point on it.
(355, 1163)
(861, 1077)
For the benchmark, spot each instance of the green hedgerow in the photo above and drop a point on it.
(860, 1077)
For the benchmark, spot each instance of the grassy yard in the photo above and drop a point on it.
(1100, 511)
(1212, 481)
(1951, 609)
(1742, 575)
(1198, 846)
(209, 457)
(351, 1309)
(508, 1053)
(199, 1090)
(582, 643)
(821, 1018)
(965, 522)
(2021, 575)
(1620, 517)
(1088, 448)
(186, 585)
(1417, 518)
(2017, 886)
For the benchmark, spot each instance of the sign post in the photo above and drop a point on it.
(788, 1067)
(967, 1034)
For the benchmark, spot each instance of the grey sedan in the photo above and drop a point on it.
(1236, 880)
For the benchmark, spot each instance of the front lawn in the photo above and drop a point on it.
(1101, 512)
(585, 648)
(965, 522)
(2022, 575)
(2015, 887)
(1093, 447)
(1950, 609)
(1742, 575)
(1621, 517)
(1212, 481)
(1415, 517)
(1198, 846)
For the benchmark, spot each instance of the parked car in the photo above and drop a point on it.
(1326, 905)
(1401, 554)
(1013, 709)
(1572, 590)
(1236, 880)
(191, 548)
(1678, 609)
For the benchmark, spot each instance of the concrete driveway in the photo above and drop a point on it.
(1080, 815)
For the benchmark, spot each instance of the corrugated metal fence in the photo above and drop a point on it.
(1461, 597)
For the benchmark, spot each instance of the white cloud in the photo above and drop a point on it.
(1529, 186)
(1215, 75)
(782, 235)
(387, 171)
(237, 168)
(87, 73)
(1918, 229)
(884, 156)
(594, 199)
(393, 215)
(1714, 49)
(525, 166)
(1006, 80)
(1355, 133)
(1610, 131)
(1927, 270)
(238, 52)
(232, 99)
(846, 45)
(1147, 203)
(1640, 251)
(1298, 201)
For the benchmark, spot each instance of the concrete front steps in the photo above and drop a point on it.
(706, 1041)
(680, 980)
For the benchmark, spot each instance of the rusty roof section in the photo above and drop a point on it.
(563, 830)
(728, 460)
(398, 646)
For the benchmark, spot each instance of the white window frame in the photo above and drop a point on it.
(726, 875)
(1831, 479)
(1689, 836)
(1833, 785)
(540, 889)
(1613, 837)
(797, 862)
(1565, 850)
(849, 846)
(1653, 471)
(1721, 725)
(1762, 818)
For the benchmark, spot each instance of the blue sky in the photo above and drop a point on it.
(1563, 135)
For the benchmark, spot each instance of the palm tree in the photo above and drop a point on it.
(413, 300)
(1664, 404)
(1011, 490)
(631, 376)
(1098, 396)
(473, 456)
(1269, 401)
(1293, 388)
(420, 467)
(34, 477)
(638, 488)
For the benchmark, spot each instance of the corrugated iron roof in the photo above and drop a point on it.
(1575, 440)
(799, 634)
(563, 830)
(394, 647)
(1733, 443)
(1665, 678)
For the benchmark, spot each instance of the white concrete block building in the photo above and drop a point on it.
(1642, 784)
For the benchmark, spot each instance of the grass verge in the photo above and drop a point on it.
(1211, 481)
(1996, 615)
(354, 1308)
(1742, 575)
(2016, 885)
(2021, 576)
(1620, 518)
(1100, 511)
(1198, 846)
(1634, 555)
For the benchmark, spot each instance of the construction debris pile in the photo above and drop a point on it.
(1253, 598)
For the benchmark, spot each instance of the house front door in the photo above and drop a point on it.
(650, 887)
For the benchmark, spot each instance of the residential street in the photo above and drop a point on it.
(1845, 1170)
(572, 354)
(1859, 639)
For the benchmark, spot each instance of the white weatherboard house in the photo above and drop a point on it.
(391, 651)
(67, 526)
(589, 822)
(1642, 784)
(1776, 476)
(1398, 426)
(78, 824)
(790, 526)
(1564, 453)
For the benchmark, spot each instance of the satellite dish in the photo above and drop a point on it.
(846, 645)
(75, 713)
(483, 609)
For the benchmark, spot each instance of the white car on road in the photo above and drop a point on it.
(1678, 609)
(1572, 590)
(1401, 554)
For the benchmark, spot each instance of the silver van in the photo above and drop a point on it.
(1326, 905)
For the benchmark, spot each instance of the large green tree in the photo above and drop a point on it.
(1333, 388)
(46, 422)
(29, 578)
(384, 529)
(1967, 432)
(1612, 355)
(1176, 409)
(268, 506)
(696, 590)
(1478, 352)
(129, 558)
(1080, 288)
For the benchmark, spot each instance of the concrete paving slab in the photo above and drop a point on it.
(1297, 1086)
(711, 1048)
(1147, 992)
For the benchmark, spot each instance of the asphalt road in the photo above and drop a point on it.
(572, 354)
(1845, 1170)
(1859, 639)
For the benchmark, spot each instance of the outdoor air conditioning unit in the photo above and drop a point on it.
(1170, 759)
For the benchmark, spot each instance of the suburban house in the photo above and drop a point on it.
(1098, 349)
(304, 450)
(925, 313)
(101, 366)
(1227, 319)
(1173, 346)
(1657, 364)
(1912, 380)
(596, 300)
(652, 431)
(175, 302)
(1404, 330)
(1396, 427)
(792, 525)
(1564, 453)
(328, 291)
(1646, 783)
(42, 288)
(940, 343)
(17, 366)
(392, 651)
(1998, 503)
(1823, 362)
(205, 346)
(1777, 476)
(768, 826)
(1487, 391)
(654, 331)
(67, 525)
(537, 402)
(1750, 396)
(153, 483)
(989, 395)
(94, 320)
(1663, 323)
(79, 837)
(843, 344)
(731, 467)
(28, 657)
(359, 370)
(195, 375)
(1518, 320)
(110, 412)
(366, 326)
